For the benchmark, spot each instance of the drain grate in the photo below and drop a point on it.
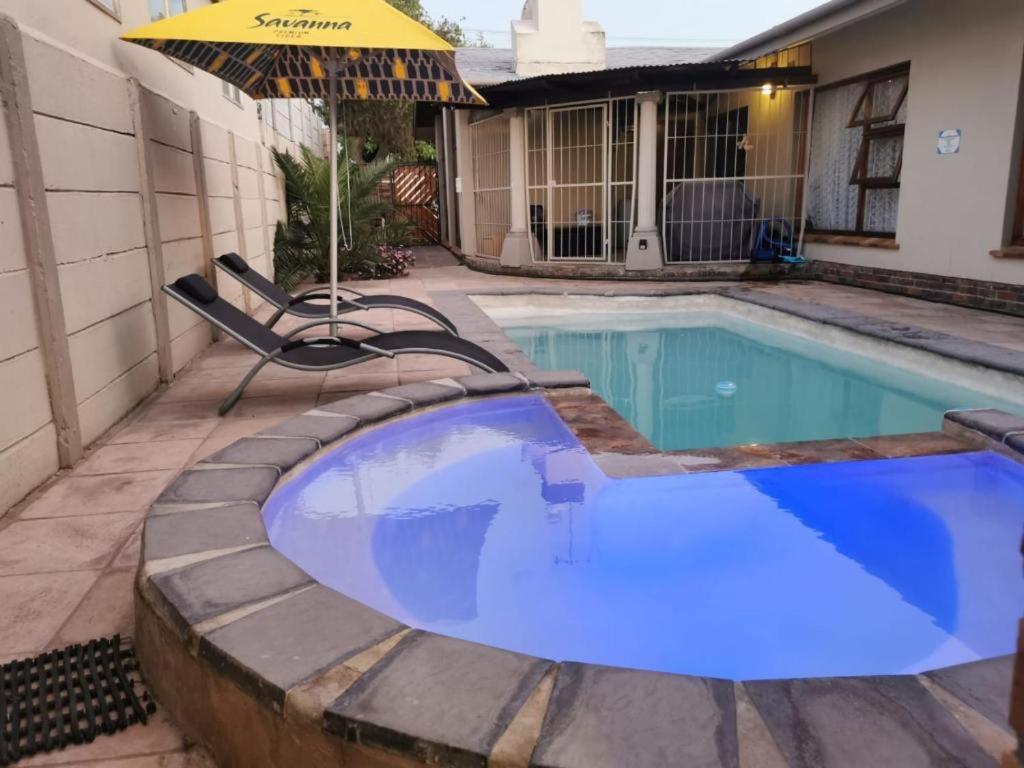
(69, 696)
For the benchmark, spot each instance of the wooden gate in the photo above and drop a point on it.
(412, 190)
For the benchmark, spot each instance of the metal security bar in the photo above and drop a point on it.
(734, 170)
(581, 179)
(491, 184)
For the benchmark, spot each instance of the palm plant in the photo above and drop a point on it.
(302, 247)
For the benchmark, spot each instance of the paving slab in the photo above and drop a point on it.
(324, 428)
(368, 408)
(443, 700)
(988, 421)
(203, 530)
(425, 393)
(72, 496)
(603, 717)
(199, 592)
(491, 383)
(281, 452)
(63, 544)
(221, 485)
(863, 722)
(276, 648)
(33, 607)
(983, 685)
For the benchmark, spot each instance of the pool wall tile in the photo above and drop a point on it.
(278, 647)
(368, 408)
(984, 685)
(863, 722)
(604, 717)
(281, 452)
(196, 486)
(322, 427)
(440, 700)
(203, 530)
(199, 592)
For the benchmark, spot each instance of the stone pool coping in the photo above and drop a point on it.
(266, 667)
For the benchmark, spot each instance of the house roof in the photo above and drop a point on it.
(816, 22)
(491, 66)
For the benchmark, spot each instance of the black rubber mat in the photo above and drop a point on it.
(69, 696)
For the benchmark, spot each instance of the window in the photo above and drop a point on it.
(857, 154)
(231, 92)
(164, 9)
(110, 6)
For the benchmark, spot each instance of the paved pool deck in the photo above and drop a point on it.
(68, 553)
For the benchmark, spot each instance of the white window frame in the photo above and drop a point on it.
(167, 9)
(113, 9)
(231, 92)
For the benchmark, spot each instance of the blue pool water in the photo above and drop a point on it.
(488, 521)
(664, 381)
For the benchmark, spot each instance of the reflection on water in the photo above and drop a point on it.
(665, 383)
(489, 522)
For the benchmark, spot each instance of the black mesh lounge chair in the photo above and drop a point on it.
(303, 304)
(323, 353)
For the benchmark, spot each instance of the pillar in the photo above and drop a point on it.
(516, 251)
(40, 258)
(644, 251)
(464, 182)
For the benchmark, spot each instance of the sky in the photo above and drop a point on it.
(637, 22)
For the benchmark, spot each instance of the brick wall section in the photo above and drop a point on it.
(978, 294)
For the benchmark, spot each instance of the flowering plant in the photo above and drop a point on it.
(391, 261)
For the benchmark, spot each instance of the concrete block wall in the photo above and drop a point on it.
(28, 439)
(127, 174)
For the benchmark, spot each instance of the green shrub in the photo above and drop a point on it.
(302, 247)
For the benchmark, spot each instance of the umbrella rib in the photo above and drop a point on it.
(266, 75)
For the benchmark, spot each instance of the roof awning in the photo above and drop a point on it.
(627, 81)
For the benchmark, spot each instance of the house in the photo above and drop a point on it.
(882, 139)
(120, 170)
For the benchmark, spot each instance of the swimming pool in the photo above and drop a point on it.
(490, 522)
(705, 371)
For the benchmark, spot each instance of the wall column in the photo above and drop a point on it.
(464, 182)
(40, 256)
(151, 228)
(644, 251)
(516, 251)
(243, 246)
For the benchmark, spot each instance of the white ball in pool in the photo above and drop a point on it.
(725, 388)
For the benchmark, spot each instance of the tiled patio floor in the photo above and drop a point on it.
(68, 553)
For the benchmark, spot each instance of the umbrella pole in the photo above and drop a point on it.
(333, 152)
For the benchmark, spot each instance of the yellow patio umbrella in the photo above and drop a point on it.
(363, 50)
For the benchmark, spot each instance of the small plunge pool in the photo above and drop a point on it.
(488, 521)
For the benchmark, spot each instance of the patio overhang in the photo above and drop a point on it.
(611, 83)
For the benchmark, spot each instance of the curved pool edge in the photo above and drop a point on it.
(264, 666)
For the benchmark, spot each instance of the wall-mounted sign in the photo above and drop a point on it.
(949, 142)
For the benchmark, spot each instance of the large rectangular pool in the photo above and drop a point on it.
(705, 371)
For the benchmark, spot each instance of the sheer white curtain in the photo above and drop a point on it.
(832, 198)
